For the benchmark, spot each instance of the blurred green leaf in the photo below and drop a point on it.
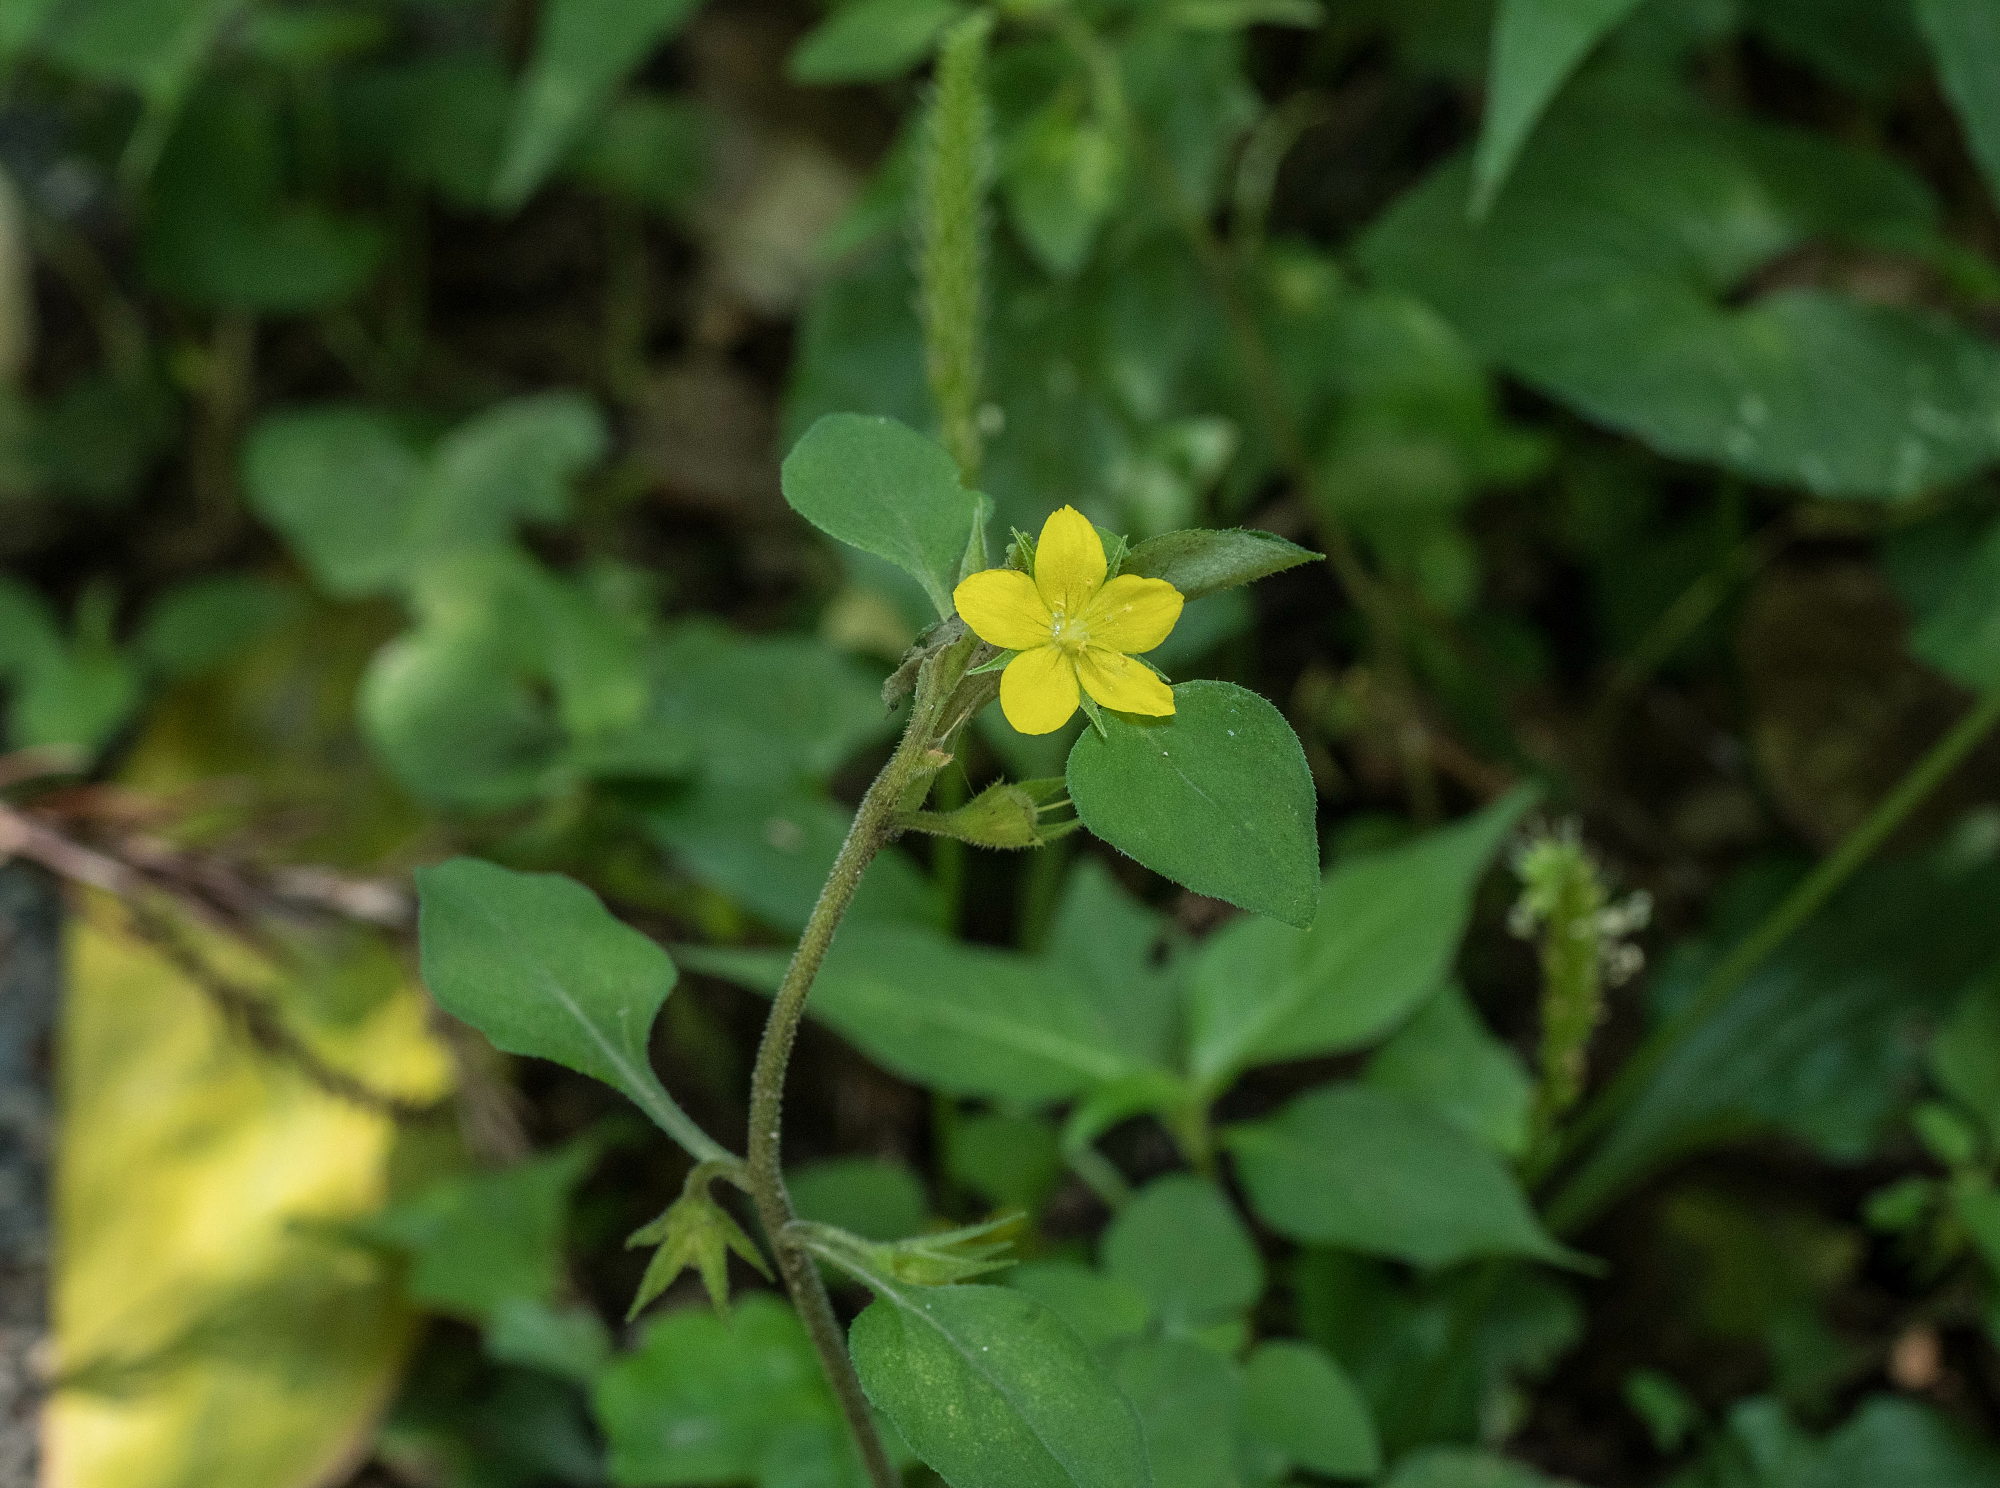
(1386, 931)
(1350, 1166)
(1825, 1041)
(1062, 176)
(1297, 1399)
(1099, 1309)
(1446, 1057)
(482, 1240)
(872, 1197)
(1189, 1400)
(1964, 37)
(583, 50)
(1216, 797)
(1181, 1245)
(712, 1399)
(201, 624)
(1965, 1056)
(1537, 44)
(1606, 278)
(649, 149)
(1462, 1467)
(1009, 1030)
(991, 1390)
(338, 483)
(223, 229)
(869, 41)
(568, 1340)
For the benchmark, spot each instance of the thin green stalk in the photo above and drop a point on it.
(1572, 1208)
(908, 769)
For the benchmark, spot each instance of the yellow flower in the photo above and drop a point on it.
(1071, 628)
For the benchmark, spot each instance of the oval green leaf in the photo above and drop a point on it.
(1365, 1170)
(880, 486)
(992, 1390)
(1216, 797)
(536, 963)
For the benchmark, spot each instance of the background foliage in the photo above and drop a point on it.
(392, 401)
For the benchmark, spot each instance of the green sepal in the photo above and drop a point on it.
(1091, 712)
(997, 664)
(694, 1231)
(943, 1259)
(1007, 814)
(975, 558)
(1021, 551)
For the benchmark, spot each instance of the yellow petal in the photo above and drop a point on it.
(1038, 690)
(1069, 562)
(1003, 608)
(1122, 684)
(1132, 614)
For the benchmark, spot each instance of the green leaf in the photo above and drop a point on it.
(712, 1399)
(1296, 1398)
(583, 52)
(1462, 1467)
(1013, 1162)
(1958, 629)
(483, 1240)
(1618, 275)
(1825, 1041)
(871, 41)
(1349, 1166)
(1217, 797)
(510, 464)
(1965, 1056)
(336, 482)
(1446, 1057)
(1063, 176)
(197, 626)
(566, 1340)
(1102, 944)
(1388, 927)
(1202, 560)
(770, 850)
(880, 486)
(512, 684)
(1964, 36)
(1189, 1400)
(366, 514)
(1099, 1309)
(222, 228)
(872, 1197)
(1537, 44)
(991, 1390)
(1181, 1244)
(536, 963)
(1008, 1031)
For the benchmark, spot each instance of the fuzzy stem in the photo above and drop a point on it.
(955, 166)
(908, 770)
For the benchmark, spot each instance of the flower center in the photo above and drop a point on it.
(1069, 632)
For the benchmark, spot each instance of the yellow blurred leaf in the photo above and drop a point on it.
(213, 1325)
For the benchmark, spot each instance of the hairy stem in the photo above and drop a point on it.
(908, 769)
